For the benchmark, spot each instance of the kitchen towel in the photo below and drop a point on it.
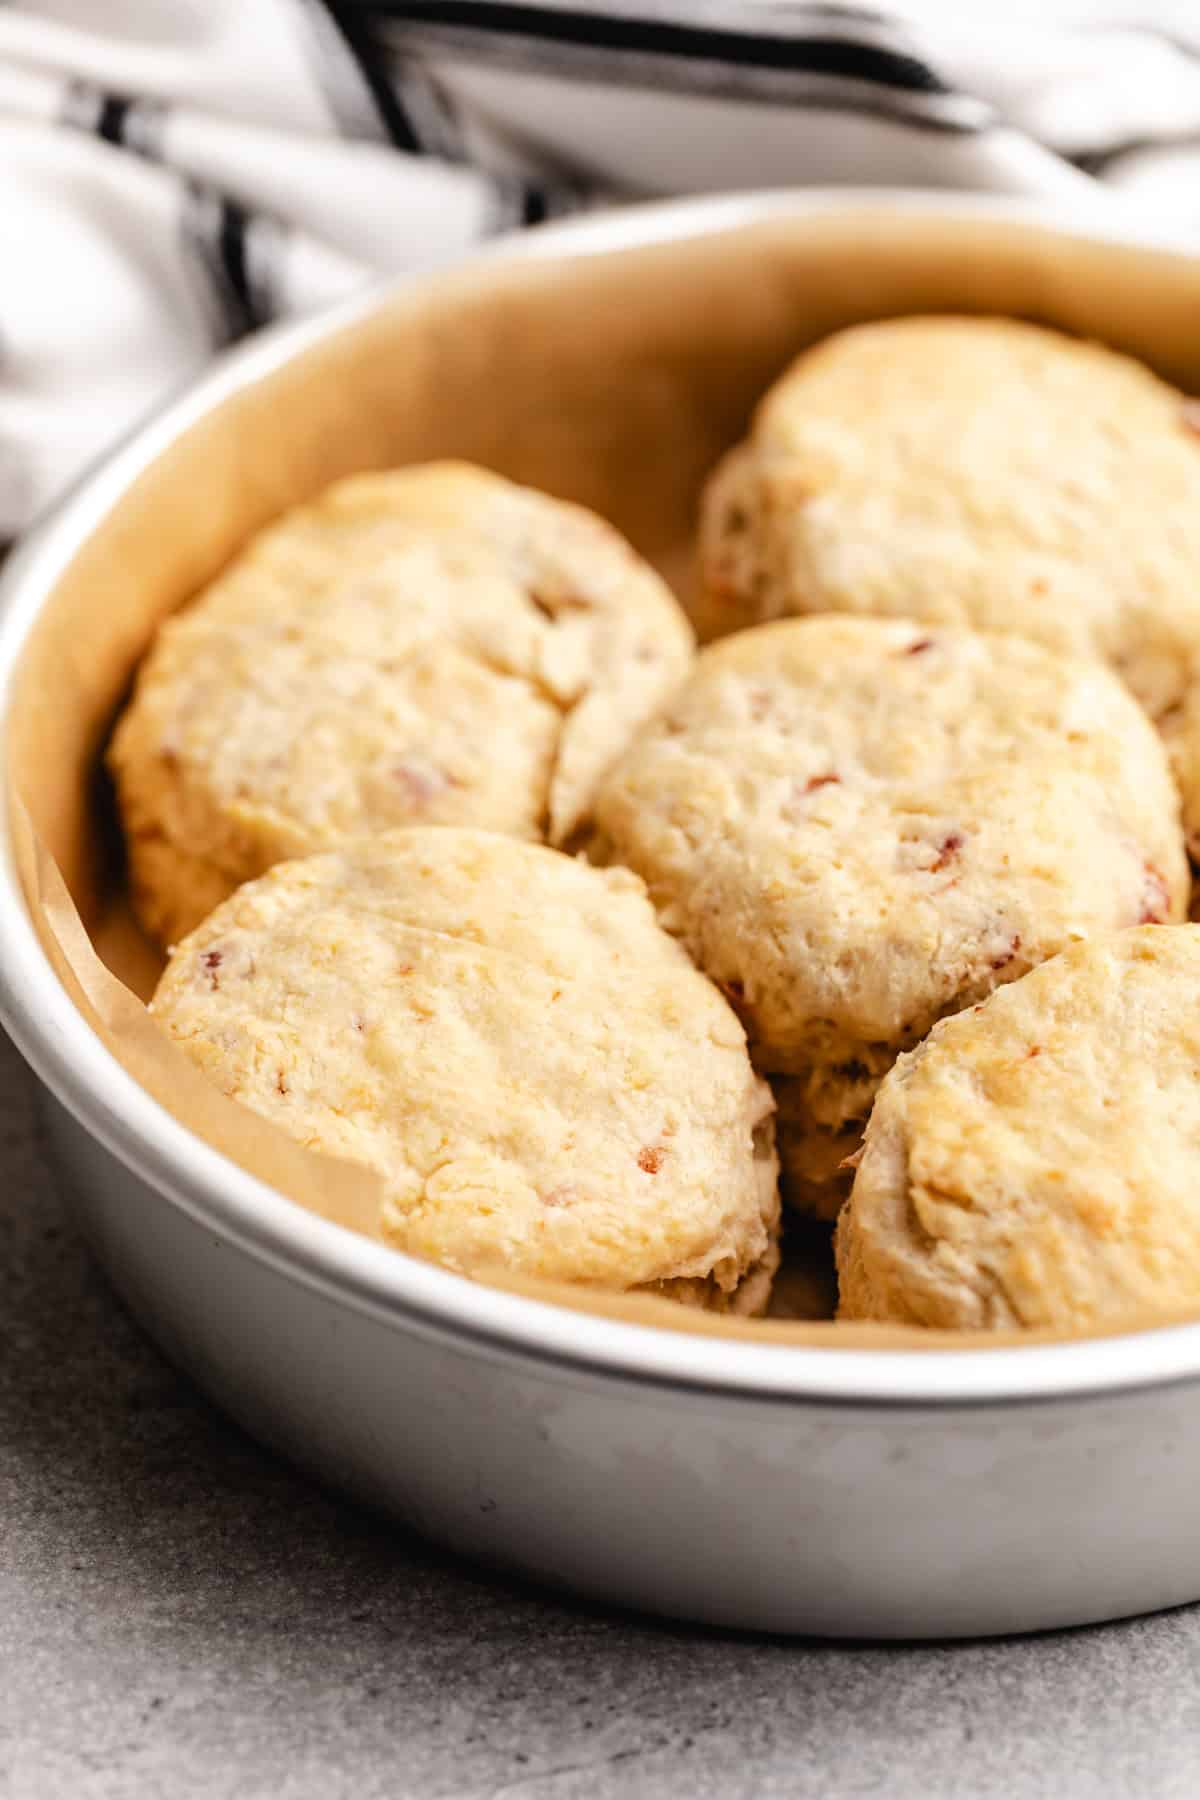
(176, 173)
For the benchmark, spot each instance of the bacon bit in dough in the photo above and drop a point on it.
(561, 1196)
(1001, 962)
(650, 1159)
(211, 962)
(947, 850)
(918, 647)
(794, 808)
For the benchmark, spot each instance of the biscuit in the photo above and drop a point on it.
(857, 826)
(1036, 1162)
(975, 472)
(429, 646)
(505, 1034)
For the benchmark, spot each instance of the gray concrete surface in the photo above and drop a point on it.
(181, 1615)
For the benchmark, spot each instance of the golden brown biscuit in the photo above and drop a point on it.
(975, 472)
(542, 1079)
(1036, 1161)
(857, 826)
(429, 646)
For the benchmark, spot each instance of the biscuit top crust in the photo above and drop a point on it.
(981, 472)
(856, 825)
(429, 646)
(506, 1035)
(1036, 1162)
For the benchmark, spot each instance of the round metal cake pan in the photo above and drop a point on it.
(851, 1492)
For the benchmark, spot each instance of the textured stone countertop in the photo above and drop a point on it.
(181, 1615)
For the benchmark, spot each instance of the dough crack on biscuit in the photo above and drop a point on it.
(977, 472)
(541, 1077)
(853, 841)
(431, 646)
(1036, 1161)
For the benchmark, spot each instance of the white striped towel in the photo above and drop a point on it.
(177, 172)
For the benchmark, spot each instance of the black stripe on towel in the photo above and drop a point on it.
(535, 208)
(231, 250)
(791, 65)
(125, 122)
(340, 74)
(110, 125)
(358, 29)
(847, 57)
(216, 233)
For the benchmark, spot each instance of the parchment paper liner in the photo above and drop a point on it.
(614, 380)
